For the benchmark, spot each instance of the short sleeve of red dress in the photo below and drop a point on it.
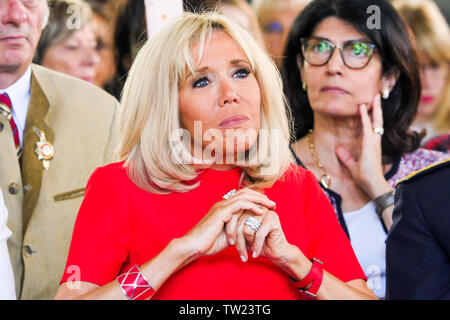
(327, 240)
(101, 236)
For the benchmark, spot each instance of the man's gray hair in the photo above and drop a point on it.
(46, 15)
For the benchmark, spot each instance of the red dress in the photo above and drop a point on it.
(120, 225)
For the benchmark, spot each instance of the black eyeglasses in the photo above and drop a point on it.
(356, 54)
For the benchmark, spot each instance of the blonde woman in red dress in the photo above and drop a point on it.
(205, 214)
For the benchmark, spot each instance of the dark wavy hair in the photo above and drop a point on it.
(397, 53)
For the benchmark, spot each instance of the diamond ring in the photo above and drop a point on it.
(253, 223)
(229, 194)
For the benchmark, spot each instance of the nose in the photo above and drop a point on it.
(92, 58)
(13, 12)
(228, 93)
(425, 77)
(335, 65)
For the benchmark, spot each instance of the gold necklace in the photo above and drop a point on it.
(325, 178)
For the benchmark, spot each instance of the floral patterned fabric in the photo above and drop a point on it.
(408, 164)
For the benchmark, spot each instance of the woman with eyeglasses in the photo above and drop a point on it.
(352, 81)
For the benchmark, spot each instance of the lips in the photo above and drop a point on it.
(233, 121)
(426, 99)
(88, 79)
(12, 38)
(334, 90)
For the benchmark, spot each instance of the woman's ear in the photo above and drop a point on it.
(389, 80)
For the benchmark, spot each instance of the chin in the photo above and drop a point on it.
(338, 110)
(425, 110)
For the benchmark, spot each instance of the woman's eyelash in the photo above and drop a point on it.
(201, 82)
(244, 71)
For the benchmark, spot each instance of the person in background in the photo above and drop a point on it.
(68, 43)
(239, 11)
(432, 36)
(418, 245)
(104, 23)
(354, 91)
(54, 131)
(222, 228)
(7, 290)
(275, 18)
(129, 36)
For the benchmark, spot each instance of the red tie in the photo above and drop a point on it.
(6, 109)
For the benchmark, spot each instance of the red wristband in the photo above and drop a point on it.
(134, 285)
(313, 279)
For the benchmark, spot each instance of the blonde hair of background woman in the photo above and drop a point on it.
(264, 8)
(432, 37)
(151, 113)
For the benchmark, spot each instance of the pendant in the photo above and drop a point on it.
(325, 179)
(44, 149)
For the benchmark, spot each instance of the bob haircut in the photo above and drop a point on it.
(398, 56)
(150, 105)
(432, 36)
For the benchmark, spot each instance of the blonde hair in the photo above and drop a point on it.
(265, 8)
(432, 37)
(151, 112)
(246, 8)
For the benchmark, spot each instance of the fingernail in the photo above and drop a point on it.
(254, 255)
(244, 259)
(231, 241)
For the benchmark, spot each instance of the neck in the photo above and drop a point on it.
(420, 121)
(331, 132)
(9, 75)
(222, 167)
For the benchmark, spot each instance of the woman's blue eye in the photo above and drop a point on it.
(200, 83)
(242, 73)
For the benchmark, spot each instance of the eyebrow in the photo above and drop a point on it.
(346, 41)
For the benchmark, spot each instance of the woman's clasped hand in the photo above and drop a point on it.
(225, 225)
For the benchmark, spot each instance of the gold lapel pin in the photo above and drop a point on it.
(44, 149)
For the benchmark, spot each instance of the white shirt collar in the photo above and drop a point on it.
(19, 89)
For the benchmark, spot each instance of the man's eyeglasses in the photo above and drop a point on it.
(356, 54)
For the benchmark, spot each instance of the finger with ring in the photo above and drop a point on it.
(379, 131)
(253, 223)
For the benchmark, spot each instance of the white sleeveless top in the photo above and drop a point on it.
(368, 240)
